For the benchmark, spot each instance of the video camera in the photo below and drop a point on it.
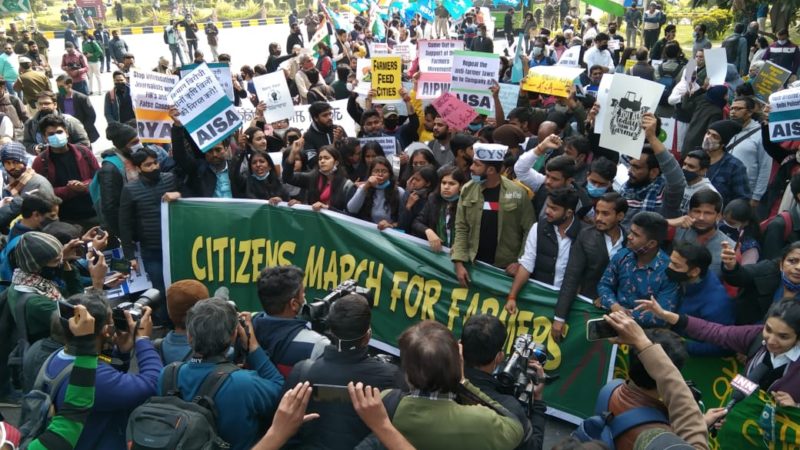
(516, 378)
(317, 312)
(149, 297)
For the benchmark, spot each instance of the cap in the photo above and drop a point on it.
(489, 152)
(14, 151)
(24, 60)
(35, 249)
(390, 110)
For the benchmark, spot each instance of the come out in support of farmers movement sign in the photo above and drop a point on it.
(437, 56)
(784, 115)
(387, 78)
(205, 110)
(150, 95)
(473, 74)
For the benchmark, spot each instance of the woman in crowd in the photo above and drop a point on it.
(436, 221)
(420, 158)
(326, 187)
(433, 368)
(370, 151)
(771, 348)
(742, 225)
(417, 189)
(260, 181)
(763, 283)
(378, 200)
(350, 148)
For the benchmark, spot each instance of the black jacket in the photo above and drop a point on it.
(292, 40)
(274, 62)
(429, 218)
(111, 182)
(547, 249)
(84, 112)
(588, 259)
(315, 139)
(532, 426)
(776, 230)
(140, 213)
(482, 44)
(339, 427)
(757, 285)
(201, 178)
(341, 190)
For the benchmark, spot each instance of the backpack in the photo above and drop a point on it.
(94, 186)
(669, 79)
(20, 331)
(787, 224)
(606, 427)
(38, 406)
(731, 46)
(169, 421)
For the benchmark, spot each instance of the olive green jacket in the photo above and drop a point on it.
(514, 220)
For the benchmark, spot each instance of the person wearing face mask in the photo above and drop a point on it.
(539, 56)
(612, 34)
(702, 294)
(747, 146)
(639, 271)
(39, 258)
(117, 170)
(547, 247)
(118, 104)
(482, 43)
(695, 167)
(163, 66)
(589, 256)
(70, 169)
(74, 63)
(262, 179)
(726, 173)
(599, 180)
(140, 217)
(493, 217)
(35, 141)
(19, 182)
(599, 54)
(76, 105)
(772, 348)
(378, 199)
(704, 106)
(436, 221)
(784, 52)
(700, 225)
(700, 42)
(36, 210)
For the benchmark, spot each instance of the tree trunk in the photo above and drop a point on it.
(781, 14)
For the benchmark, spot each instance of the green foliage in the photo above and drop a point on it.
(716, 22)
(226, 11)
(132, 13)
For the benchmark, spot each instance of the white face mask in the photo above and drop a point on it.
(781, 41)
(710, 144)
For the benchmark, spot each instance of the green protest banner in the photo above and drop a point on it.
(227, 243)
(750, 425)
(15, 6)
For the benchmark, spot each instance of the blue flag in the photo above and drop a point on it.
(516, 69)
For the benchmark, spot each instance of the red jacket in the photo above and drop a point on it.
(87, 166)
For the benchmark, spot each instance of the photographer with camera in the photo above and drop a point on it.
(344, 361)
(286, 338)
(118, 390)
(482, 340)
(245, 399)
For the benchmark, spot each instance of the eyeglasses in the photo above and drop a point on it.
(380, 172)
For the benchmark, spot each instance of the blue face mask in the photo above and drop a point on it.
(57, 140)
(477, 179)
(261, 178)
(595, 191)
(474, 127)
(787, 284)
(451, 198)
(383, 185)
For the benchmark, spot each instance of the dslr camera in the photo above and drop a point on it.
(149, 298)
(516, 378)
(317, 312)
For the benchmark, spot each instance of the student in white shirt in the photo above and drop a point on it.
(599, 54)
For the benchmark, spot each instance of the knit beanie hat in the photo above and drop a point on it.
(727, 129)
(120, 134)
(181, 296)
(508, 135)
(35, 249)
(716, 95)
(660, 439)
(14, 151)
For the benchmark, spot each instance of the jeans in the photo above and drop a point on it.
(192, 45)
(94, 72)
(214, 52)
(108, 61)
(81, 86)
(176, 50)
(10, 88)
(651, 37)
(630, 37)
(154, 266)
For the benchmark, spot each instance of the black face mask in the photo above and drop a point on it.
(120, 86)
(603, 47)
(677, 277)
(390, 122)
(51, 273)
(151, 176)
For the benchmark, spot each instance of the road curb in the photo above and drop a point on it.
(160, 28)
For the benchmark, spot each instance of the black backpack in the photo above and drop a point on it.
(169, 421)
(669, 79)
(19, 330)
(38, 405)
(731, 46)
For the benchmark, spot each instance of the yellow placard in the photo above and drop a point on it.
(551, 80)
(629, 63)
(387, 77)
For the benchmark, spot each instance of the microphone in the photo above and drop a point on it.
(742, 388)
